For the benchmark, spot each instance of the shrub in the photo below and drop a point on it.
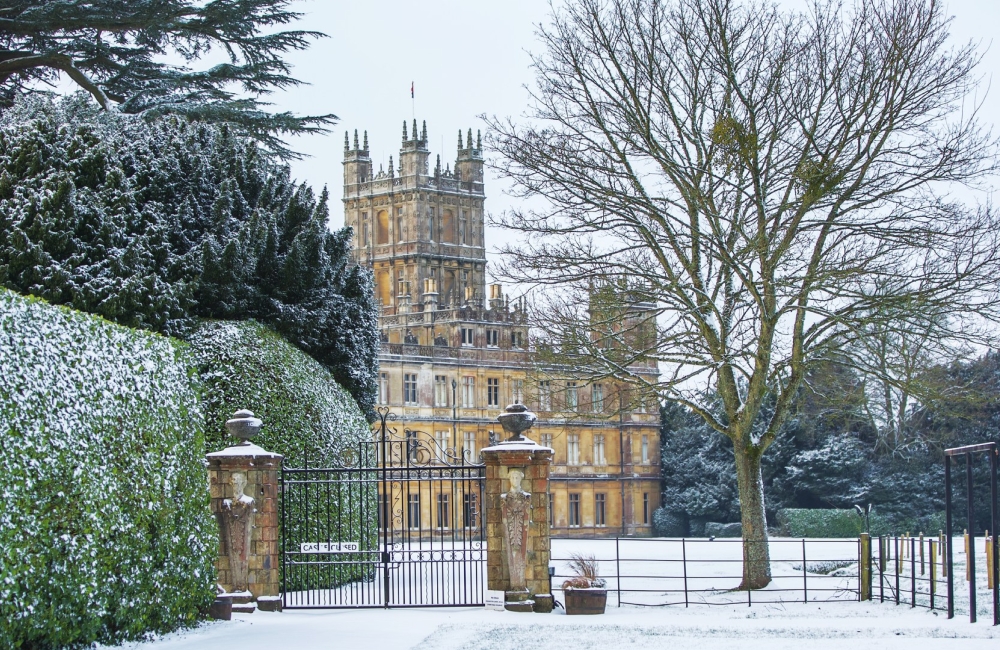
(154, 223)
(668, 524)
(105, 531)
(803, 522)
(308, 417)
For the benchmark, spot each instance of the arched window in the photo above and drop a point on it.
(383, 287)
(382, 227)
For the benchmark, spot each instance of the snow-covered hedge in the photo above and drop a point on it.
(105, 532)
(814, 522)
(244, 365)
(308, 417)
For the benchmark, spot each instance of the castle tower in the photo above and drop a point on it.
(415, 224)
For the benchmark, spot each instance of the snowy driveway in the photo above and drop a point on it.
(850, 626)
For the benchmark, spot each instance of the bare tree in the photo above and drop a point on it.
(764, 185)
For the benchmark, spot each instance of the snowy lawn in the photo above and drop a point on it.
(844, 623)
(764, 627)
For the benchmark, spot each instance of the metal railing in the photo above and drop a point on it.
(661, 572)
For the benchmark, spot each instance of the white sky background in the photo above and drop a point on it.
(466, 58)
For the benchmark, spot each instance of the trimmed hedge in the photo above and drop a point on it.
(245, 365)
(308, 417)
(105, 531)
(803, 522)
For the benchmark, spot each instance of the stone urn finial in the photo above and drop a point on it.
(243, 425)
(516, 421)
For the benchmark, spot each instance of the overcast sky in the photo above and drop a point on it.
(465, 58)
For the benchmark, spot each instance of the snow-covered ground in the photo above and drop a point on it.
(827, 621)
(856, 626)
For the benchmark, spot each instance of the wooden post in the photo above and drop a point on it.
(866, 566)
(968, 565)
(989, 559)
(933, 567)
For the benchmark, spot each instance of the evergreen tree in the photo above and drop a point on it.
(114, 50)
(154, 224)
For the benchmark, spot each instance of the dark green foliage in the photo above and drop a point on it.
(244, 365)
(105, 530)
(827, 456)
(114, 50)
(153, 225)
(796, 522)
(307, 417)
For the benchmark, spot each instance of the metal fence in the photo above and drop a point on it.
(661, 572)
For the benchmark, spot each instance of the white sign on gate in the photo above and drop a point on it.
(329, 547)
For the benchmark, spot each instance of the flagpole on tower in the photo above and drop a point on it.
(413, 107)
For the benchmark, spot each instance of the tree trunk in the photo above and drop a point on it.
(756, 556)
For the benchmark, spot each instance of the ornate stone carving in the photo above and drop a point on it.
(516, 514)
(239, 518)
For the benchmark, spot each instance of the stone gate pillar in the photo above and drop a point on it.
(517, 517)
(243, 482)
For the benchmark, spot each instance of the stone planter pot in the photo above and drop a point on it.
(586, 601)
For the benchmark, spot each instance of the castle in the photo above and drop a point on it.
(453, 357)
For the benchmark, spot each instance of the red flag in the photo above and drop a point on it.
(411, 90)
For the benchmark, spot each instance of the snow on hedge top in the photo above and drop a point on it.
(304, 410)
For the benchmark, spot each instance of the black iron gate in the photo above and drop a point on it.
(396, 522)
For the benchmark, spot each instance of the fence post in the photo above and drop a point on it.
(922, 554)
(895, 543)
(933, 568)
(618, 569)
(684, 564)
(805, 574)
(865, 567)
(971, 564)
(881, 568)
(913, 573)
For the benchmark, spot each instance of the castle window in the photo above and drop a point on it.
(545, 395)
(493, 391)
(516, 340)
(597, 397)
(573, 449)
(572, 396)
(600, 509)
(383, 388)
(469, 510)
(469, 392)
(492, 338)
(645, 507)
(410, 389)
(645, 450)
(468, 337)
(469, 450)
(517, 391)
(382, 227)
(448, 226)
(599, 449)
(574, 510)
(440, 390)
(443, 511)
(547, 440)
(413, 510)
(552, 519)
(441, 438)
(463, 228)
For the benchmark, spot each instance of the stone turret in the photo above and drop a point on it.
(469, 164)
(357, 161)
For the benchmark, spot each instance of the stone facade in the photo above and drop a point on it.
(261, 469)
(456, 350)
